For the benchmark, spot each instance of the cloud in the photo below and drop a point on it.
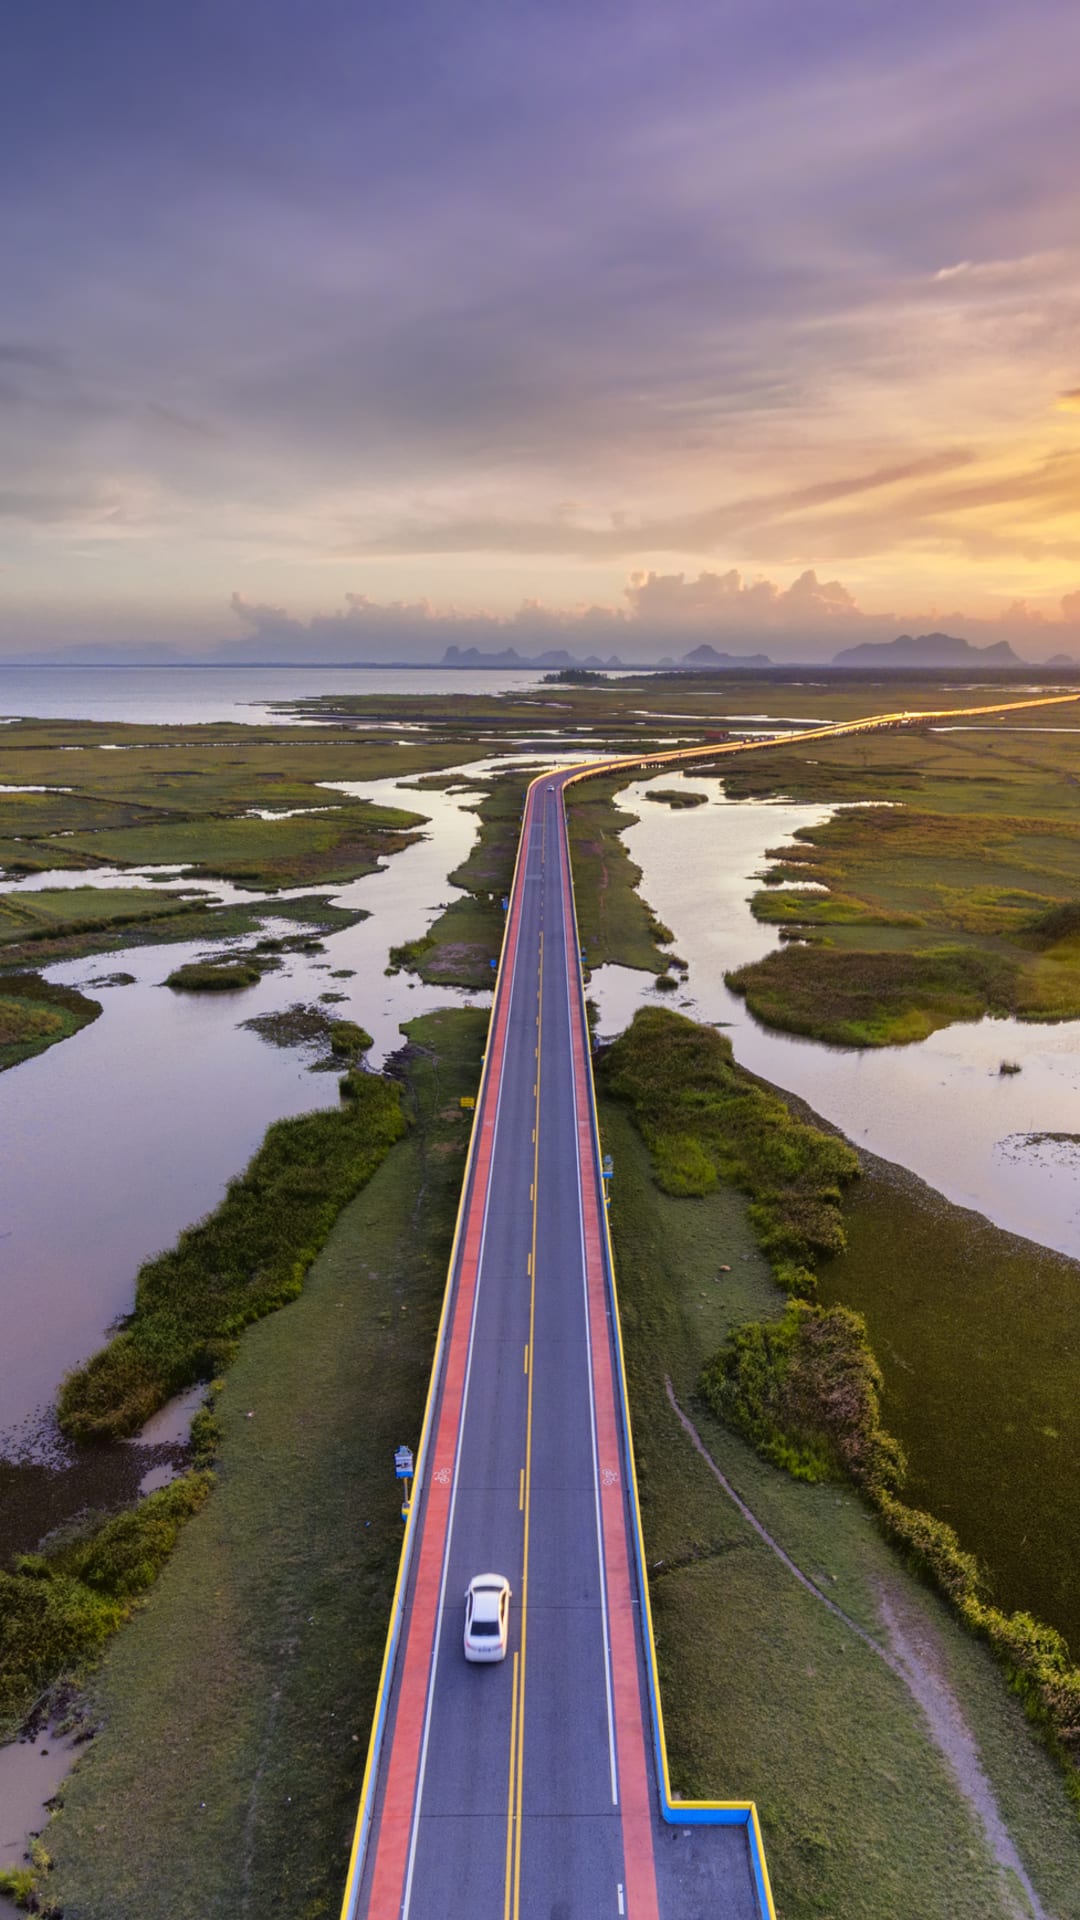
(1069, 401)
(661, 613)
(718, 600)
(624, 535)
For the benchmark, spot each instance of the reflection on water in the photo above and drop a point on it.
(940, 1108)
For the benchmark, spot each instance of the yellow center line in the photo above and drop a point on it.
(512, 1890)
(510, 1788)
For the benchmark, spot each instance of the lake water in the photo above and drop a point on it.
(940, 1108)
(189, 696)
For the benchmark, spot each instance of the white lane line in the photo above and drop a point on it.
(430, 1702)
(622, 1904)
(592, 1397)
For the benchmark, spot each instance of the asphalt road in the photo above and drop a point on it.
(527, 1788)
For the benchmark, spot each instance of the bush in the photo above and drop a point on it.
(805, 1390)
(58, 1608)
(705, 1120)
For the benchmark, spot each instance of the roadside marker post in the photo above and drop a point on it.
(403, 1468)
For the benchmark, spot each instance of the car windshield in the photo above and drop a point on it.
(485, 1626)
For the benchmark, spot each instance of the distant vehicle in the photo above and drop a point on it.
(551, 789)
(487, 1617)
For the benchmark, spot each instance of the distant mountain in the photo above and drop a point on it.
(1063, 660)
(509, 657)
(927, 650)
(707, 656)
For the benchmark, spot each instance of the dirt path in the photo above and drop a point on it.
(914, 1657)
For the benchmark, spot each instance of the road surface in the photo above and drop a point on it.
(526, 1790)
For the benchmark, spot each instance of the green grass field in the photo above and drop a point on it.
(767, 1694)
(976, 1332)
(56, 911)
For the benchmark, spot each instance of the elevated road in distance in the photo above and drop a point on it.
(526, 1790)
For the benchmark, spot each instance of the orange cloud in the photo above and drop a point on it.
(1069, 401)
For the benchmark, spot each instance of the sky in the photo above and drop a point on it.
(357, 329)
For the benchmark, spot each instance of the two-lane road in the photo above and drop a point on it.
(526, 1789)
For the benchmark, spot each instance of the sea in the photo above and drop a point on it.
(188, 696)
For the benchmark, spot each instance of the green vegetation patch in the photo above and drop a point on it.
(35, 1013)
(338, 844)
(707, 1121)
(677, 797)
(874, 998)
(199, 921)
(234, 1712)
(214, 976)
(243, 1261)
(56, 911)
(58, 1607)
(807, 1391)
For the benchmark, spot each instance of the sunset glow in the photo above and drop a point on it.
(493, 308)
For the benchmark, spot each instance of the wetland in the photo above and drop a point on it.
(349, 859)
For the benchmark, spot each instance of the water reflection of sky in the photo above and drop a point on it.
(940, 1108)
(119, 1137)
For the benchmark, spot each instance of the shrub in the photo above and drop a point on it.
(705, 1120)
(805, 1390)
(58, 1608)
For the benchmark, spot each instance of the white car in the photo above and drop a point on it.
(487, 1617)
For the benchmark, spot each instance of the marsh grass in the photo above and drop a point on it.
(57, 911)
(35, 1013)
(247, 1258)
(979, 848)
(198, 921)
(214, 976)
(880, 998)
